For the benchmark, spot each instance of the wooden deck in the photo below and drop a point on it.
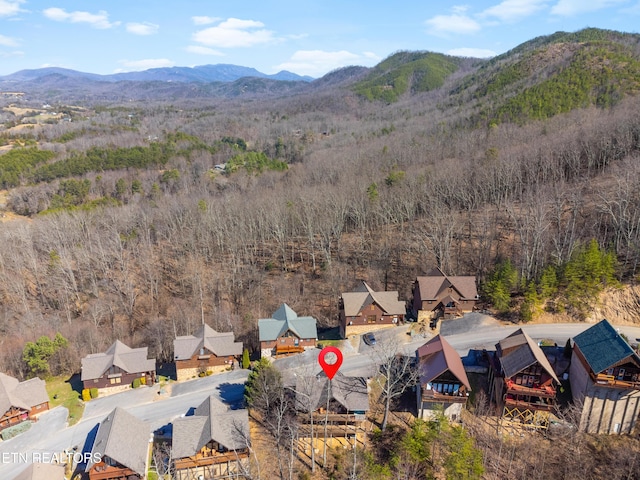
(203, 460)
(541, 392)
(611, 381)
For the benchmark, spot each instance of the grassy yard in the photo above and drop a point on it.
(66, 391)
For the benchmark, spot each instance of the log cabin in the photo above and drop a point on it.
(444, 385)
(211, 443)
(285, 333)
(120, 449)
(365, 310)
(437, 295)
(117, 368)
(20, 401)
(205, 352)
(347, 406)
(522, 382)
(605, 381)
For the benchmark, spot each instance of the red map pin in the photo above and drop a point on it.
(330, 359)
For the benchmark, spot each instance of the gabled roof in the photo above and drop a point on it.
(23, 395)
(123, 438)
(436, 284)
(350, 392)
(518, 351)
(285, 319)
(131, 360)
(211, 421)
(221, 344)
(603, 347)
(363, 296)
(42, 471)
(436, 357)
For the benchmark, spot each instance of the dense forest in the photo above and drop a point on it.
(136, 220)
(136, 210)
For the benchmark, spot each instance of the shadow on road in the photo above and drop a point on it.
(232, 394)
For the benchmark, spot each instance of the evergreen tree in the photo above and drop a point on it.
(245, 359)
(586, 274)
(37, 354)
(500, 284)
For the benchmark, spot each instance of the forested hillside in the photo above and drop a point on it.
(135, 220)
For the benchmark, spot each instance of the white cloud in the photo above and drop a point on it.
(99, 20)
(318, 62)
(10, 7)
(575, 7)
(8, 41)
(142, 28)
(15, 53)
(146, 64)
(447, 24)
(200, 50)
(234, 32)
(471, 52)
(514, 10)
(203, 20)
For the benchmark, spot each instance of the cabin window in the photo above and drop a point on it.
(371, 319)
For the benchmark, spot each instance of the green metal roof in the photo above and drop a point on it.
(602, 346)
(286, 319)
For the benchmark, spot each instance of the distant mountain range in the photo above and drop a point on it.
(199, 74)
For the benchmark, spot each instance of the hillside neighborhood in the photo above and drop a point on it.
(426, 268)
(521, 378)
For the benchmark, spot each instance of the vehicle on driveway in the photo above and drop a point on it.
(369, 338)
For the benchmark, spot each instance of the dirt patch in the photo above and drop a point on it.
(620, 306)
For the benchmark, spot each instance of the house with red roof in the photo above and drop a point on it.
(444, 385)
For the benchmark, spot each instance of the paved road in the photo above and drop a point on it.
(158, 408)
(50, 434)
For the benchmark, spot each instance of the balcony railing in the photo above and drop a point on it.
(611, 381)
(213, 458)
(459, 396)
(543, 391)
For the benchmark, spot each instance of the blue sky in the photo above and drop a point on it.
(308, 37)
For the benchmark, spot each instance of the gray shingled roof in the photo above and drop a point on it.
(518, 351)
(221, 344)
(603, 347)
(351, 392)
(436, 357)
(211, 421)
(283, 320)
(131, 360)
(42, 471)
(24, 395)
(123, 438)
(364, 296)
(436, 283)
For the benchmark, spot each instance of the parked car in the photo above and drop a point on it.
(369, 338)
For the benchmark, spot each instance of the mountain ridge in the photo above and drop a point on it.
(199, 74)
